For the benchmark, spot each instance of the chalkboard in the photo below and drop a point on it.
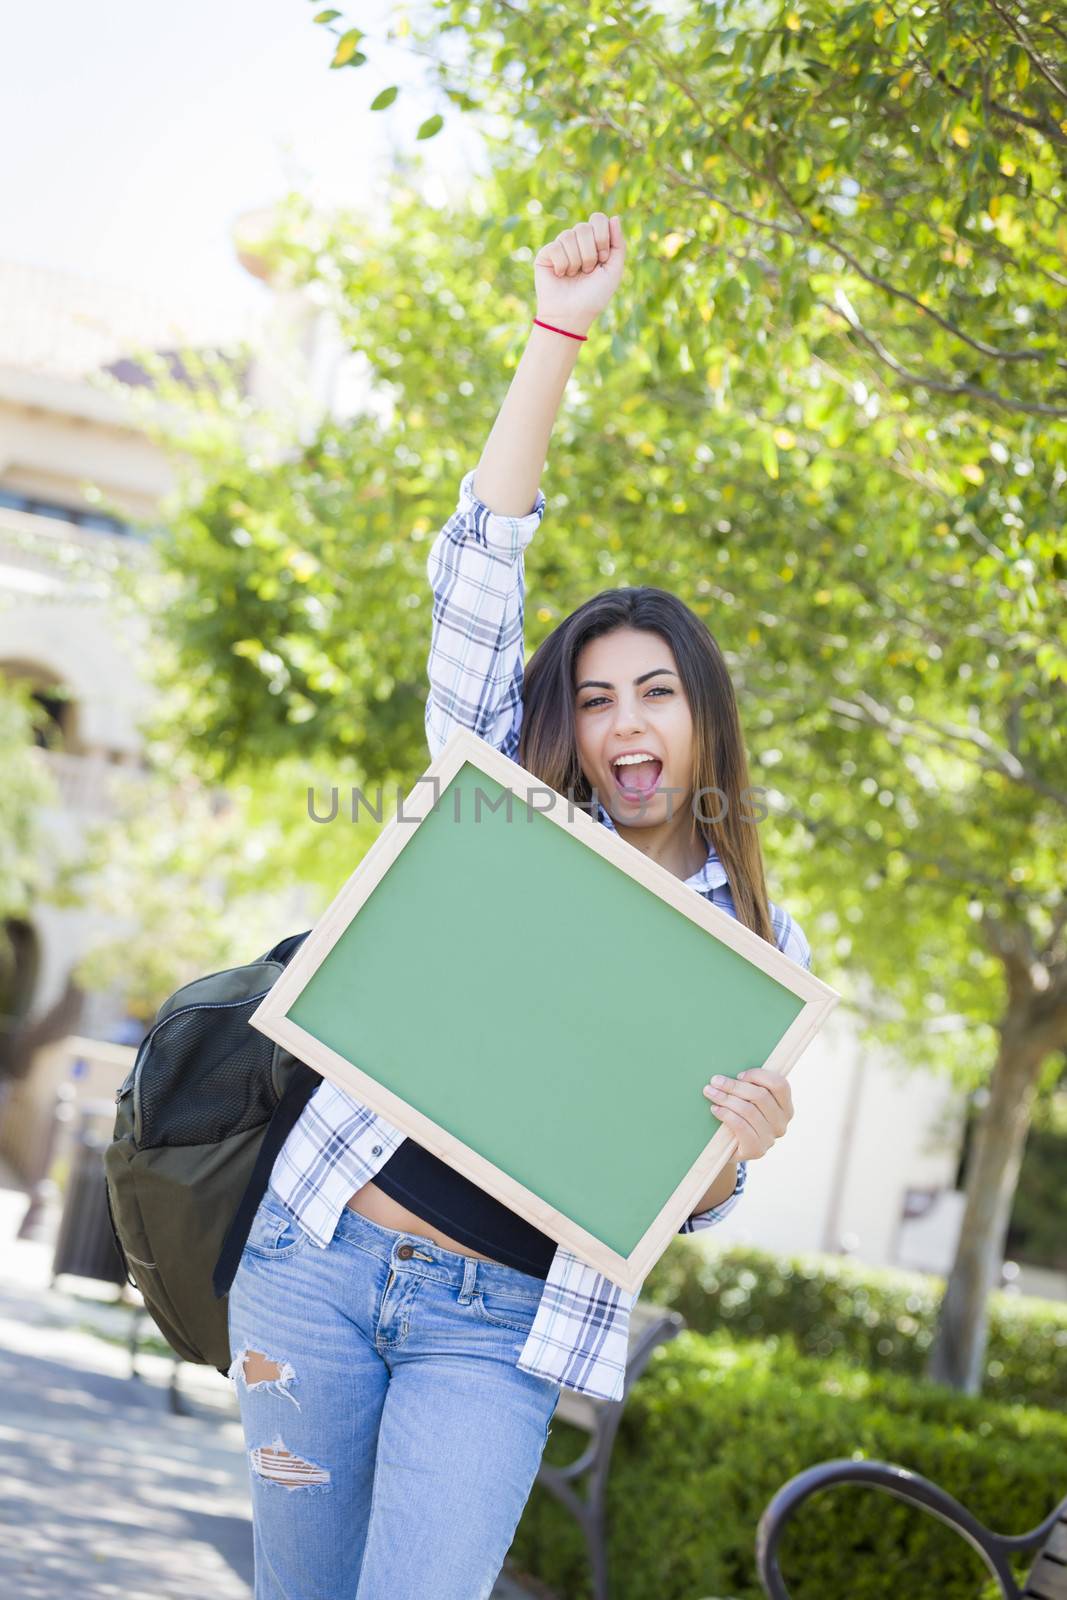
(531, 998)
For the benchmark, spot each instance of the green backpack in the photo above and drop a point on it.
(201, 1117)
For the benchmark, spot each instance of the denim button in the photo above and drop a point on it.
(405, 1252)
(377, 1150)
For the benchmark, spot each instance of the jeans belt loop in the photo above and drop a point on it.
(470, 1273)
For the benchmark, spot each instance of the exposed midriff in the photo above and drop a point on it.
(370, 1201)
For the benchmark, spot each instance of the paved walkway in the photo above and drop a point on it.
(103, 1492)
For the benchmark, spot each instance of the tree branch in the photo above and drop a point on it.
(864, 708)
(1035, 57)
(935, 385)
(1059, 923)
(908, 622)
(953, 876)
(1047, 126)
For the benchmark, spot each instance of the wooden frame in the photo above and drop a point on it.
(626, 1268)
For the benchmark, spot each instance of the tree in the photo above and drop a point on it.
(195, 879)
(830, 411)
(1037, 1235)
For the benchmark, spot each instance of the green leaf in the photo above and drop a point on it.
(431, 126)
(325, 16)
(386, 98)
(347, 45)
(800, 299)
(755, 274)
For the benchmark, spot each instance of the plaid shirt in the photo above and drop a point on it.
(475, 567)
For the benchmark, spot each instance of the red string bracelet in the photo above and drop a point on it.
(551, 329)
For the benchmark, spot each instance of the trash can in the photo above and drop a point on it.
(85, 1244)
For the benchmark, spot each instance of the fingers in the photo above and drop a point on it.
(583, 247)
(773, 1081)
(743, 1098)
(774, 1096)
(572, 250)
(749, 1127)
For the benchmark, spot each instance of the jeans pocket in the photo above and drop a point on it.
(275, 1234)
(503, 1310)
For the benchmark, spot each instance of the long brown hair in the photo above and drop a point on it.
(548, 745)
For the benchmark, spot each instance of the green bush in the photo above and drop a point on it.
(715, 1427)
(882, 1319)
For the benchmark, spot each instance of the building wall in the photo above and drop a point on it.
(69, 441)
(84, 646)
(51, 637)
(55, 455)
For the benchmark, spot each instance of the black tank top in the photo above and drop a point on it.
(425, 1184)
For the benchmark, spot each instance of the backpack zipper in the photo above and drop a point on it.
(224, 973)
(134, 1081)
(127, 1083)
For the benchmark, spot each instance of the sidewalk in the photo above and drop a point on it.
(103, 1492)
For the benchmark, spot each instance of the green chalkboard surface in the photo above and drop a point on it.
(529, 996)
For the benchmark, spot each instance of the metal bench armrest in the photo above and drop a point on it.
(993, 1548)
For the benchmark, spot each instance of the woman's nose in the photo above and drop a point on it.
(629, 719)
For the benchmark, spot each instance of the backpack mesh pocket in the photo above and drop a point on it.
(216, 1050)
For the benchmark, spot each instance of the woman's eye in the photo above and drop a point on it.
(659, 688)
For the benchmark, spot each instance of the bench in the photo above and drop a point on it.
(1047, 1578)
(650, 1325)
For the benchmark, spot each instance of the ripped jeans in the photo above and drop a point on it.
(392, 1441)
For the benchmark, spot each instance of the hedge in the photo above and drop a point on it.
(882, 1319)
(716, 1426)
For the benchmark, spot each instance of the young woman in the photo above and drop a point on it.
(400, 1338)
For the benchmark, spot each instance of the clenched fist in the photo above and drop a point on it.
(576, 275)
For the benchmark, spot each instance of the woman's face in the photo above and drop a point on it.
(629, 697)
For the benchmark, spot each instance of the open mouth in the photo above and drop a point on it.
(637, 778)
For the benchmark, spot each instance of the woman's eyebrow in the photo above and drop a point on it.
(593, 683)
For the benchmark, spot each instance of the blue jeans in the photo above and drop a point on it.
(392, 1440)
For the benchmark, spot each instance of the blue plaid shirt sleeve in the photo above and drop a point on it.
(475, 666)
(790, 939)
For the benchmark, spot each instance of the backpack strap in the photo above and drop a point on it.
(298, 1092)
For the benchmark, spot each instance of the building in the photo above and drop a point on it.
(79, 484)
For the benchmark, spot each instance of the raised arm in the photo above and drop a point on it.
(475, 665)
(475, 565)
(509, 472)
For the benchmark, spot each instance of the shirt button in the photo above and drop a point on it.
(377, 1150)
(405, 1252)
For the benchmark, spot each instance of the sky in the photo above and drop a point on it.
(134, 135)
